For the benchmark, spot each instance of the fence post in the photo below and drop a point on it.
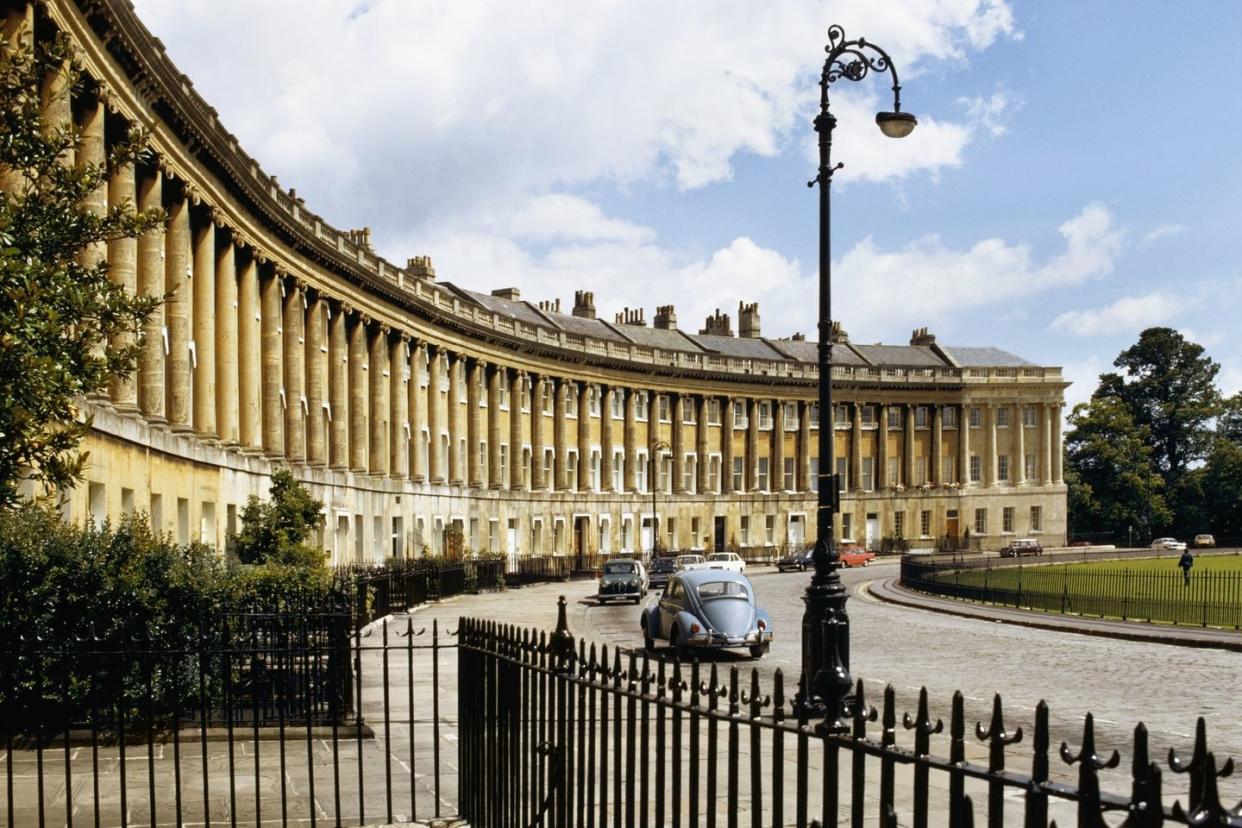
(563, 655)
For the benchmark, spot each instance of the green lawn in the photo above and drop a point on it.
(1144, 589)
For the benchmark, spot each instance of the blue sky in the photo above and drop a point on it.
(1073, 178)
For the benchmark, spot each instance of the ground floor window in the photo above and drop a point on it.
(981, 521)
(925, 523)
(899, 524)
(1037, 518)
(1007, 519)
(847, 528)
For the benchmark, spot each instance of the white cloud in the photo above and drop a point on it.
(561, 216)
(1163, 231)
(1129, 314)
(1084, 377)
(927, 282)
(398, 114)
(989, 112)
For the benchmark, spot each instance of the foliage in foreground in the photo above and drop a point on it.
(63, 322)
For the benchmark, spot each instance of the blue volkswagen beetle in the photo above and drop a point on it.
(707, 608)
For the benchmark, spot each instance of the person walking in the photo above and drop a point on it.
(1186, 562)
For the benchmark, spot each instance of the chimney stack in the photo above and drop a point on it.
(920, 336)
(550, 305)
(631, 317)
(717, 324)
(420, 267)
(748, 320)
(584, 304)
(665, 318)
(362, 237)
(838, 335)
(510, 293)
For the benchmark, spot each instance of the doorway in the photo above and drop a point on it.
(796, 533)
(582, 531)
(950, 524)
(718, 533)
(873, 530)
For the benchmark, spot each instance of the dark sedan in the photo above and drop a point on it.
(796, 560)
(660, 571)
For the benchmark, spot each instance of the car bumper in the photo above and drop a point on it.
(720, 640)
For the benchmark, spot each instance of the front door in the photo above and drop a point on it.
(796, 536)
(873, 531)
(950, 524)
(718, 533)
(582, 529)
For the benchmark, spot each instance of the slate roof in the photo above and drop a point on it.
(736, 346)
(985, 358)
(522, 311)
(582, 326)
(917, 356)
(806, 351)
(657, 338)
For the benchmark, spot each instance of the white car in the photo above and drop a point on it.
(730, 561)
(687, 562)
(1168, 545)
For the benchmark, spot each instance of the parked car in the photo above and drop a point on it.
(730, 561)
(685, 562)
(801, 561)
(1022, 546)
(853, 556)
(624, 578)
(1204, 541)
(660, 571)
(1168, 545)
(708, 608)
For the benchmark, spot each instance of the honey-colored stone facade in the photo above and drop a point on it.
(411, 405)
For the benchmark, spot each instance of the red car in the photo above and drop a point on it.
(853, 556)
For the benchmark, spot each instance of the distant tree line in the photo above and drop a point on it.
(1157, 450)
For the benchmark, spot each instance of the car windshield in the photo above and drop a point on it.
(719, 556)
(711, 590)
(618, 568)
(683, 560)
(662, 565)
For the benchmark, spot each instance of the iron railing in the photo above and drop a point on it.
(558, 733)
(1206, 599)
(279, 725)
(378, 591)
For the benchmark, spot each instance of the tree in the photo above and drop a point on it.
(1229, 422)
(1169, 386)
(277, 531)
(61, 318)
(1222, 486)
(1113, 486)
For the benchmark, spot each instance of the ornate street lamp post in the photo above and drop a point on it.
(826, 678)
(654, 461)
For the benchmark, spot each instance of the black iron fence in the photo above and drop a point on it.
(1205, 598)
(378, 591)
(558, 733)
(278, 719)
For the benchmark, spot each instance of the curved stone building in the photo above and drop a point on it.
(412, 405)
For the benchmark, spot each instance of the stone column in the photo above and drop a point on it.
(881, 448)
(752, 447)
(558, 434)
(205, 318)
(91, 151)
(151, 282)
(272, 367)
(250, 356)
(1058, 448)
(417, 408)
(338, 388)
(806, 448)
(856, 449)
(359, 405)
(435, 472)
(584, 437)
(473, 462)
(227, 313)
(177, 310)
(963, 445)
(123, 271)
(679, 446)
(1045, 443)
(316, 381)
(935, 472)
(1019, 446)
(653, 439)
(605, 439)
(701, 461)
(989, 466)
(398, 403)
(910, 431)
(778, 446)
(726, 446)
(494, 478)
(517, 478)
(378, 377)
(629, 476)
(538, 482)
(454, 421)
(295, 373)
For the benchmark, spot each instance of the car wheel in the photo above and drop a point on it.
(758, 650)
